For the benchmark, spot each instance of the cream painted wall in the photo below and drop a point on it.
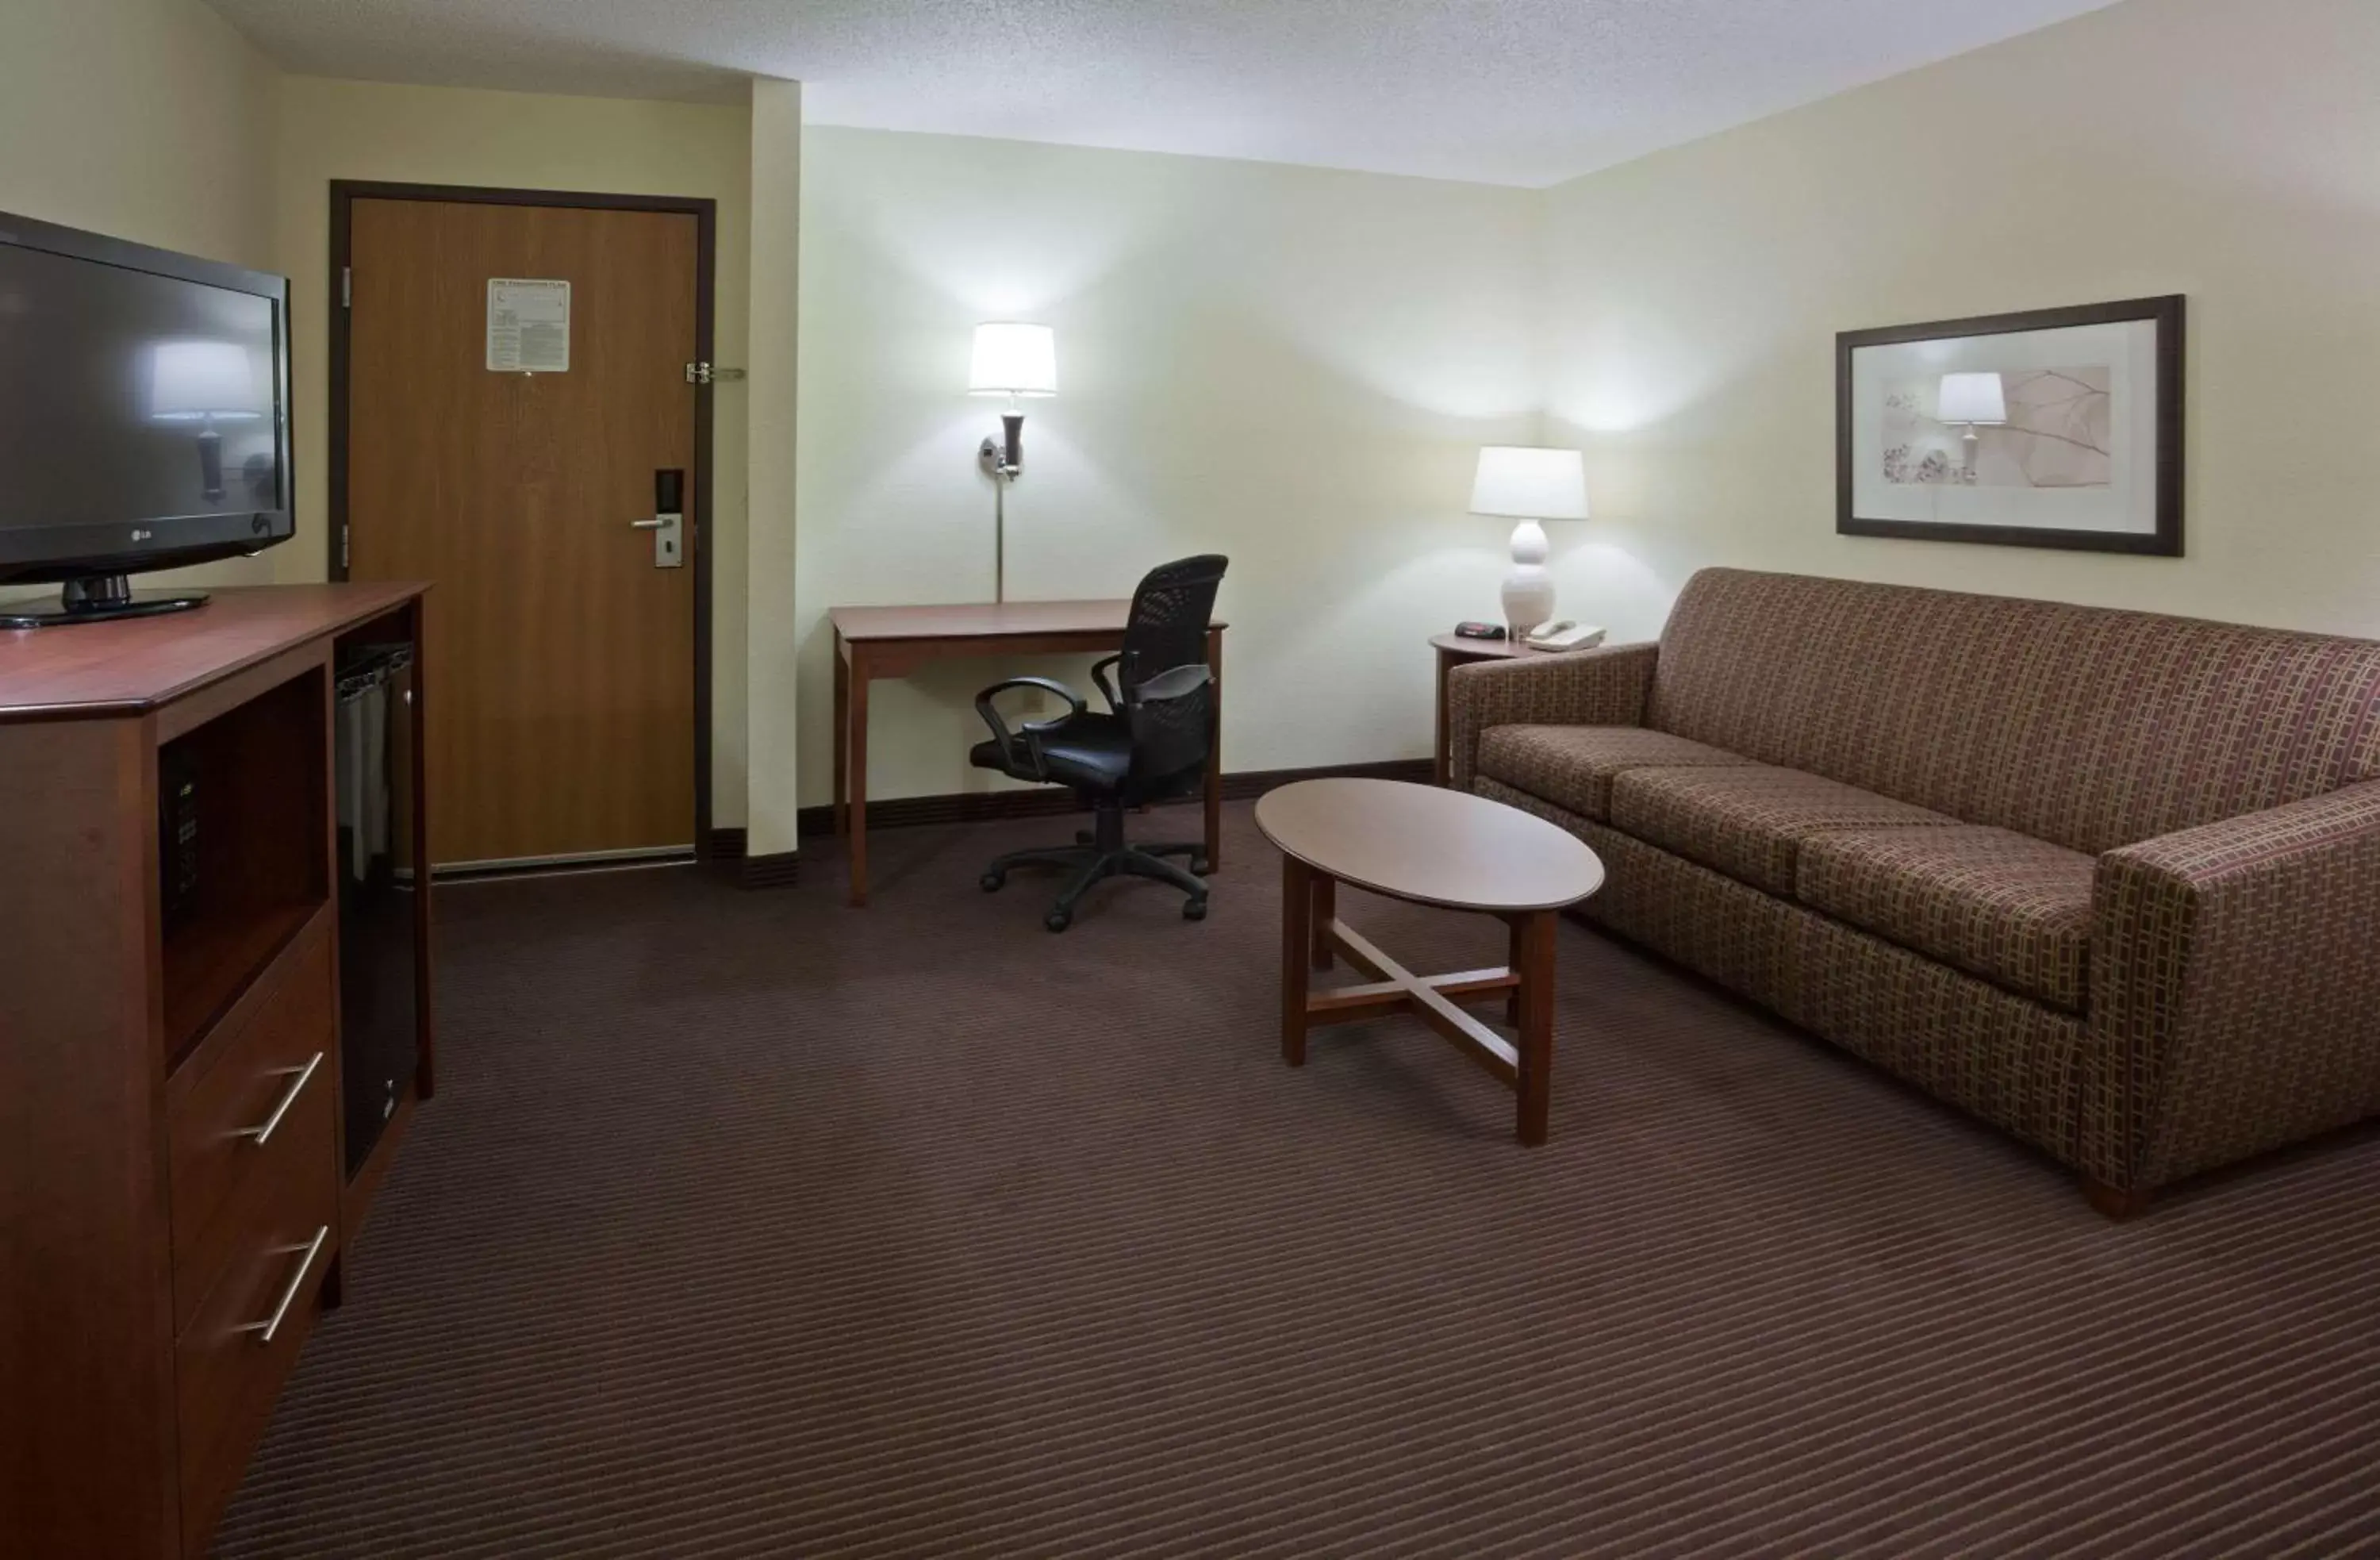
(2205, 147)
(1286, 365)
(771, 642)
(1293, 366)
(144, 119)
(333, 129)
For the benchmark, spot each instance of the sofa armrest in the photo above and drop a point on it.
(2235, 987)
(1605, 687)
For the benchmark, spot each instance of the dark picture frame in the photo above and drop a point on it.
(2168, 315)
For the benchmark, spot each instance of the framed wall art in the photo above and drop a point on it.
(2055, 428)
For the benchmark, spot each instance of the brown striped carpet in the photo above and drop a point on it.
(747, 1225)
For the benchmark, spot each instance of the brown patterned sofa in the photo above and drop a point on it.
(2107, 879)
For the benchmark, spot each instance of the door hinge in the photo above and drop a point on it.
(343, 549)
(347, 287)
(705, 373)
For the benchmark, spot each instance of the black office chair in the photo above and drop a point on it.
(1149, 746)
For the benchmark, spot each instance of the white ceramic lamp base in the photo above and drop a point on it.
(1528, 590)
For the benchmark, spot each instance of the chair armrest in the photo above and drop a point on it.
(2235, 987)
(1107, 689)
(1032, 731)
(1605, 686)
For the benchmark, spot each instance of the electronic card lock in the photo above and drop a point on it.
(668, 523)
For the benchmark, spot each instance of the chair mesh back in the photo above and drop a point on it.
(1166, 629)
(1170, 735)
(1168, 623)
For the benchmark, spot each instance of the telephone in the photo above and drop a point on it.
(1563, 635)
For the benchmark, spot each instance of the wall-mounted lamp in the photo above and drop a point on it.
(1529, 485)
(1013, 360)
(1974, 399)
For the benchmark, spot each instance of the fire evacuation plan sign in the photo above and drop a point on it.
(528, 325)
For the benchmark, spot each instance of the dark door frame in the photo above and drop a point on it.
(345, 192)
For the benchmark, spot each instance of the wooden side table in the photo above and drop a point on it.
(1454, 650)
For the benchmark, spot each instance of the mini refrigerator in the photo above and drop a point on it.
(378, 1035)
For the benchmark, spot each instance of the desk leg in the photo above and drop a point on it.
(1215, 755)
(1440, 768)
(855, 786)
(841, 737)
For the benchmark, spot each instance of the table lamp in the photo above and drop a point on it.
(1529, 485)
(1012, 358)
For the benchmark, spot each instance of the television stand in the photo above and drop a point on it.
(176, 1206)
(97, 598)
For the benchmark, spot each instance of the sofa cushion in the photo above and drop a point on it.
(2086, 726)
(1749, 822)
(2011, 908)
(1572, 766)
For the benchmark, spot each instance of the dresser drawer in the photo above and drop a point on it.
(240, 1345)
(263, 1112)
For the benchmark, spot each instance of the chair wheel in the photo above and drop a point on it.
(1058, 921)
(993, 883)
(1200, 866)
(1194, 909)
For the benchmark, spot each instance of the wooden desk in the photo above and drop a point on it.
(893, 642)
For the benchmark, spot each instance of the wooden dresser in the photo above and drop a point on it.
(174, 1207)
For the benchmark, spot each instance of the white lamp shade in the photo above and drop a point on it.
(1014, 360)
(1971, 397)
(190, 380)
(1534, 484)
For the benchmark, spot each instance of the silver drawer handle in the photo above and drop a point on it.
(272, 1325)
(297, 1086)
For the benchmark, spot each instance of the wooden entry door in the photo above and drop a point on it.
(562, 719)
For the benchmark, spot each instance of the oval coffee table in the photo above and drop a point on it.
(1432, 847)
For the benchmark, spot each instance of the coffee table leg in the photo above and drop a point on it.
(1514, 958)
(1533, 936)
(1326, 905)
(1297, 895)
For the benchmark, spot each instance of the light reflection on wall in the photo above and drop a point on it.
(1292, 366)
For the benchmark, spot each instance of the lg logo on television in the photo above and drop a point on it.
(141, 533)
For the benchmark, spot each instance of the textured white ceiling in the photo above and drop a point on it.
(1509, 92)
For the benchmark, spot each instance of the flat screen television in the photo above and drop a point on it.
(144, 418)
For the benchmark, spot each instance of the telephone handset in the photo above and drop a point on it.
(1563, 635)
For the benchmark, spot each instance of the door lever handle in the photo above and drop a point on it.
(669, 514)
